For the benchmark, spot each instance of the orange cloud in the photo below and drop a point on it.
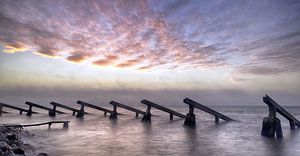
(109, 59)
(77, 58)
(128, 63)
(13, 48)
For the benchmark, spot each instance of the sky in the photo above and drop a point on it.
(218, 52)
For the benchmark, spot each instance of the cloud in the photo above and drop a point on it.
(77, 58)
(169, 35)
(109, 60)
(128, 63)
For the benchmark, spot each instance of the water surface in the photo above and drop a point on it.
(97, 135)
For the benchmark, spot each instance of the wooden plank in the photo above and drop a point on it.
(35, 124)
(15, 107)
(94, 107)
(127, 107)
(42, 107)
(206, 109)
(271, 103)
(5, 112)
(162, 108)
(64, 106)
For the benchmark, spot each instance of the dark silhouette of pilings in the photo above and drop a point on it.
(83, 104)
(21, 110)
(147, 116)
(271, 125)
(117, 104)
(74, 111)
(190, 119)
(51, 112)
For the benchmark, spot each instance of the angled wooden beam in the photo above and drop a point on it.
(14, 107)
(207, 110)
(271, 103)
(74, 110)
(94, 106)
(41, 107)
(137, 111)
(83, 104)
(162, 108)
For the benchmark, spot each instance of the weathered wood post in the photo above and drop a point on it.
(52, 112)
(171, 116)
(147, 116)
(66, 124)
(1, 107)
(114, 114)
(190, 118)
(29, 112)
(271, 125)
(216, 120)
(292, 125)
(80, 113)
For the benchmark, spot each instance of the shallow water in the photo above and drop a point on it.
(97, 135)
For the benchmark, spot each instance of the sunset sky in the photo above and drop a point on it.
(217, 52)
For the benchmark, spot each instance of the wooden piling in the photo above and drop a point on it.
(190, 117)
(21, 110)
(136, 111)
(271, 125)
(147, 116)
(114, 114)
(51, 112)
(55, 104)
(83, 104)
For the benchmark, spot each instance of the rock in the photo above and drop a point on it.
(42, 154)
(4, 146)
(18, 151)
(11, 136)
(8, 153)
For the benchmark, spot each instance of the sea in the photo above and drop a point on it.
(97, 135)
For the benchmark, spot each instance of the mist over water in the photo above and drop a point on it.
(97, 135)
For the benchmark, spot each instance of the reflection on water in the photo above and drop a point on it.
(97, 135)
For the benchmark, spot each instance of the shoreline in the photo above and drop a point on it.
(12, 144)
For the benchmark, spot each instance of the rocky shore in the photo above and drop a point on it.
(12, 145)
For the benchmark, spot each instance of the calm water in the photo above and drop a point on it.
(96, 135)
